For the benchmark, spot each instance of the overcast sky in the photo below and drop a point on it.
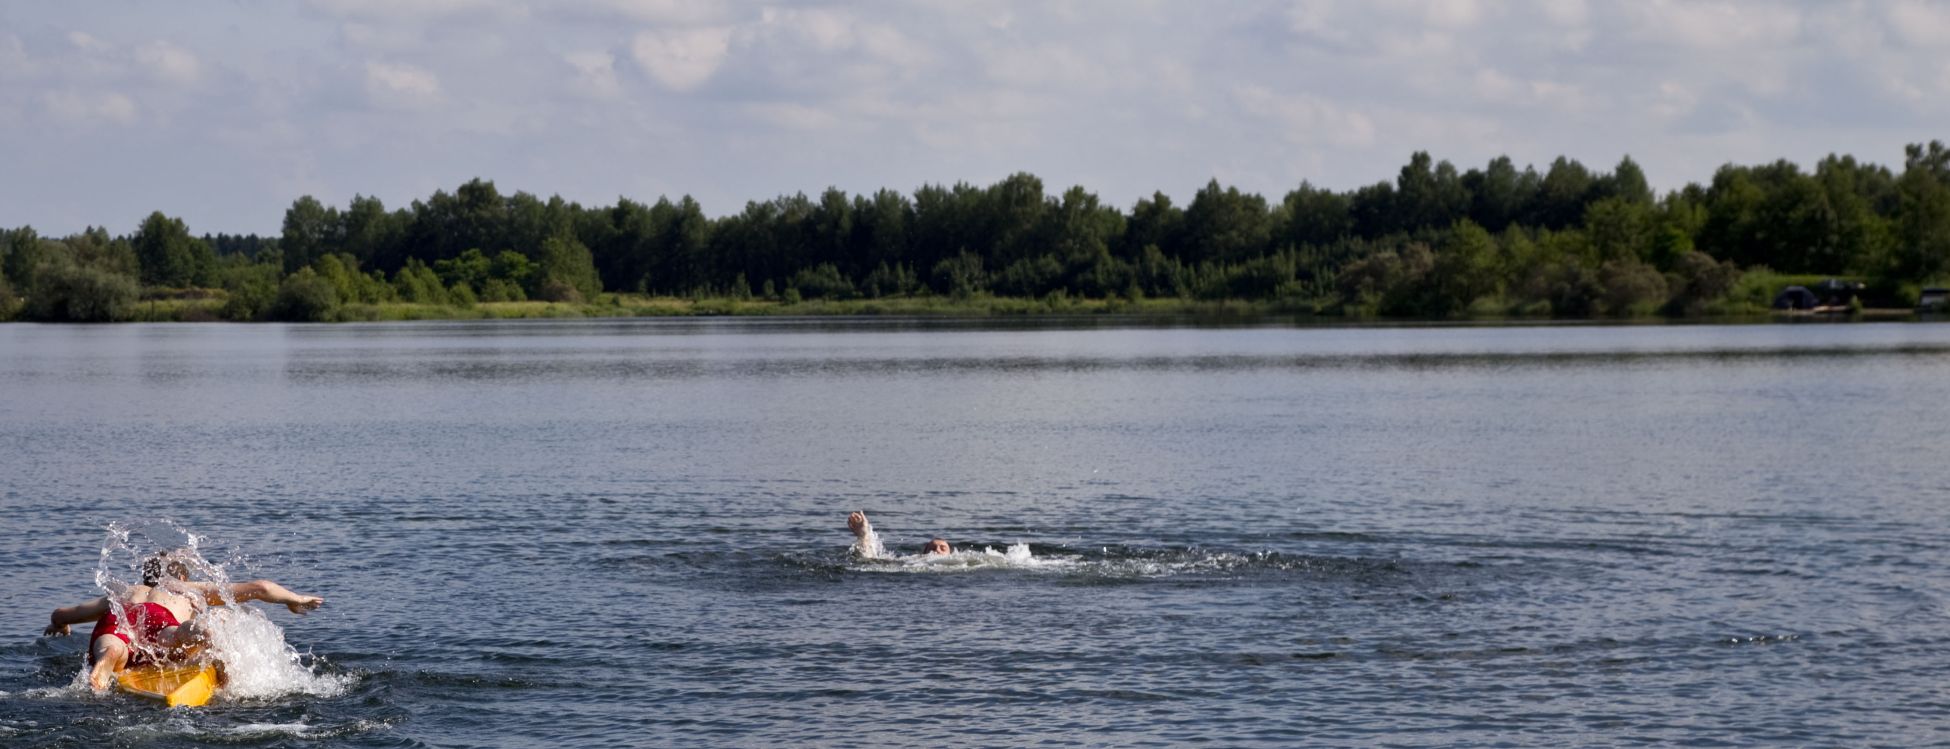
(224, 111)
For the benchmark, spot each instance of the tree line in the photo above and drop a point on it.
(1433, 242)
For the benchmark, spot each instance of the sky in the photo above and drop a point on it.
(222, 112)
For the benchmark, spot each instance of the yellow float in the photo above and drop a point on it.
(189, 685)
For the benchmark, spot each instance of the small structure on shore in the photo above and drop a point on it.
(1796, 298)
(1835, 292)
(1933, 299)
(1831, 296)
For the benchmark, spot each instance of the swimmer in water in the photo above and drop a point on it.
(158, 621)
(866, 543)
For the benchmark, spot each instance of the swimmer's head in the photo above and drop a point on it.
(937, 546)
(172, 563)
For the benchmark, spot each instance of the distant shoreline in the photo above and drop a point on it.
(1436, 243)
(623, 306)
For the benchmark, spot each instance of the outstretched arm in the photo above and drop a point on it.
(259, 590)
(57, 622)
(270, 592)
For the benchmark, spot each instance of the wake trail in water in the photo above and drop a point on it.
(1133, 563)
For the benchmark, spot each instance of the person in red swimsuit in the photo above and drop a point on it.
(145, 626)
(156, 621)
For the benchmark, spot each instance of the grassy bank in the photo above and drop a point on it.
(209, 307)
(212, 308)
(632, 305)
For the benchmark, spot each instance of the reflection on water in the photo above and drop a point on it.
(1267, 535)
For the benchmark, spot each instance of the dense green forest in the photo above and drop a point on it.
(1434, 242)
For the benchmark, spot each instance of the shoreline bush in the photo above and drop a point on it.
(71, 293)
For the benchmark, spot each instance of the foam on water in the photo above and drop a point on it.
(258, 661)
(202, 729)
(1015, 557)
(78, 687)
(269, 730)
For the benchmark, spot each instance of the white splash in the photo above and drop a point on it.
(260, 664)
(256, 658)
(1015, 557)
(270, 730)
(868, 546)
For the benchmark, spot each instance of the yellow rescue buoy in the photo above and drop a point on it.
(177, 686)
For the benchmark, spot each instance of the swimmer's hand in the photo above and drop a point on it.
(55, 630)
(857, 522)
(304, 605)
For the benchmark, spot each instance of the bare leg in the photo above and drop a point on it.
(110, 655)
(185, 641)
(189, 642)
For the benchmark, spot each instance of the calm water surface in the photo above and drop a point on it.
(632, 532)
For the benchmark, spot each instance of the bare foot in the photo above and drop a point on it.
(100, 676)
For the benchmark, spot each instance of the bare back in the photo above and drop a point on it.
(182, 606)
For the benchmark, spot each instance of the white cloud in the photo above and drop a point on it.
(825, 51)
(1044, 65)
(889, 44)
(826, 30)
(1568, 24)
(86, 42)
(414, 10)
(169, 62)
(14, 62)
(1490, 84)
(595, 72)
(1454, 14)
(1310, 17)
(1919, 24)
(682, 60)
(1566, 13)
(794, 116)
(1561, 96)
(1493, 85)
(73, 106)
(1320, 22)
(1673, 101)
(1307, 119)
(381, 36)
(983, 123)
(397, 84)
(1714, 25)
(671, 12)
(787, 94)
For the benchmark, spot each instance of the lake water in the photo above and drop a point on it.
(603, 533)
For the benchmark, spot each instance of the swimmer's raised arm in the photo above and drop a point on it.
(865, 542)
(58, 621)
